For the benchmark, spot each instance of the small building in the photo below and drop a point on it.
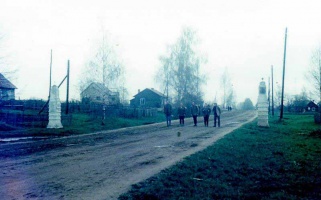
(312, 107)
(7, 89)
(98, 93)
(149, 97)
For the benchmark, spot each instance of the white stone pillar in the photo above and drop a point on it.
(262, 106)
(54, 108)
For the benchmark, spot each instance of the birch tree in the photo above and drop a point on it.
(315, 72)
(6, 69)
(228, 95)
(105, 67)
(180, 73)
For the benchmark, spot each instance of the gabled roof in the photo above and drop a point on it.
(312, 104)
(5, 83)
(98, 86)
(153, 90)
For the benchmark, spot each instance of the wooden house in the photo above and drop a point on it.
(312, 107)
(7, 89)
(148, 98)
(98, 93)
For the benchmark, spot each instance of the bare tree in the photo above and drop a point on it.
(179, 73)
(315, 72)
(105, 67)
(231, 98)
(226, 85)
(7, 70)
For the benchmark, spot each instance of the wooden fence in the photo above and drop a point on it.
(26, 120)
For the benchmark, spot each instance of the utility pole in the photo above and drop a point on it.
(50, 73)
(272, 91)
(269, 99)
(67, 95)
(284, 57)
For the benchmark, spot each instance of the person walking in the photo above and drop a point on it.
(181, 111)
(168, 112)
(194, 112)
(217, 114)
(206, 113)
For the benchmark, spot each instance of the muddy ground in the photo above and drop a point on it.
(103, 165)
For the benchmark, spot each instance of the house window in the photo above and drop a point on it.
(142, 101)
(313, 109)
(98, 98)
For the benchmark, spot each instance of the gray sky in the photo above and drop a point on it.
(245, 36)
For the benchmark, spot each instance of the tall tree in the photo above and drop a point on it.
(180, 73)
(6, 69)
(105, 67)
(226, 85)
(315, 72)
(247, 104)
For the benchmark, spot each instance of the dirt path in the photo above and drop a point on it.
(103, 165)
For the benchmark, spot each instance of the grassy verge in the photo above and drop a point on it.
(81, 124)
(280, 162)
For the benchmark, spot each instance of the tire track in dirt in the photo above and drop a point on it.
(105, 164)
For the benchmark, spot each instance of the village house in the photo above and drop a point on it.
(7, 89)
(148, 98)
(98, 93)
(312, 107)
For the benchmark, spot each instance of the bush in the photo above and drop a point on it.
(317, 118)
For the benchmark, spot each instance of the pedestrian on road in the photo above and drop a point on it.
(217, 113)
(206, 113)
(181, 111)
(194, 112)
(168, 112)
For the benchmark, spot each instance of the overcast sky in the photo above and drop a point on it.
(245, 36)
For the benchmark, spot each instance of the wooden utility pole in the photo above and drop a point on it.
(269, 96)
(272, 91)
(49, 85)
(50, 73)
(284, 58)
(67, 95)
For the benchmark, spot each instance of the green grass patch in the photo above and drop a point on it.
(81, 124)
(280, 162)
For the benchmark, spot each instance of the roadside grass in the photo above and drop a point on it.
(81, 124)
(280, 162)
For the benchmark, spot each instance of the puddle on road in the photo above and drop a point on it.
(163, 146)
(14, 139)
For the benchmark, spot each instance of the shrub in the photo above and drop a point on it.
(317, 118)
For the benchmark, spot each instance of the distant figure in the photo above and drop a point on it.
(181, 111)
(194, 112)
(168, 113)
(206, 113)
(217, 113)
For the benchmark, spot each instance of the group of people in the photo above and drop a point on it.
(195, 111)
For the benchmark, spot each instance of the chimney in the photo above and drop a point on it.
(138, 90)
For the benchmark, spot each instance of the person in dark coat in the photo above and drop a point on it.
(217, 114)
(168, 113)
(181, 111)
(206, 113)
(194, 112)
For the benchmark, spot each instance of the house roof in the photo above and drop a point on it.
(312, 104)
(98, 86)
(5, 83)
(154, 91)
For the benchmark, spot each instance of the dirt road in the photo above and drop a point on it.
(103, 165)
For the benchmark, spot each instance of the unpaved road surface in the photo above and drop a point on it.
(103, 165)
